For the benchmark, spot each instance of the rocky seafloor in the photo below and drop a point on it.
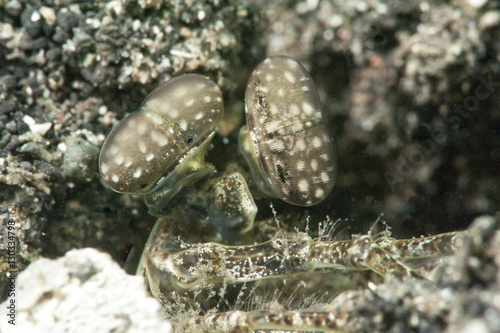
(410, 92)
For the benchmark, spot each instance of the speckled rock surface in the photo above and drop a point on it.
(410, 93)
(84, 291)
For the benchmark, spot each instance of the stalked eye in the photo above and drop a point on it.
(177, 118)
(287, 143)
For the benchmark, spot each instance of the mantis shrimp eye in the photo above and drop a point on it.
(146, 147)
(287, 144)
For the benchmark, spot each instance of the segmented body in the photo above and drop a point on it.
(197, 267)
(201, 257)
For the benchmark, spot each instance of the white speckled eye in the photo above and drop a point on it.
(287, 141)
(173, 121)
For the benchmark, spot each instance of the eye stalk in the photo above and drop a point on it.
(287, 145)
